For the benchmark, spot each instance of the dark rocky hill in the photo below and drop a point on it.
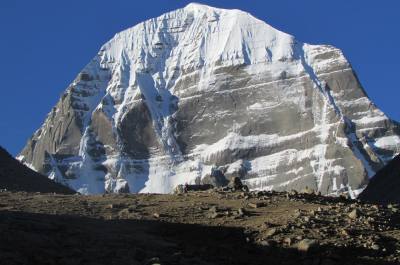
(15, 176)
(384, 187)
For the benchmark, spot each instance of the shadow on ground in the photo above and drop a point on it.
(30, 238)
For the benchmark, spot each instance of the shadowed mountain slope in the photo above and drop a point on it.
(15, 176)
(384, 187)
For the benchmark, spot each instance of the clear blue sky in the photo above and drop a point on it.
(45, 43)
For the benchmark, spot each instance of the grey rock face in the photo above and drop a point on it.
(170, 100)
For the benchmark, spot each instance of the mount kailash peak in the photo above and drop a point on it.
(201, 94)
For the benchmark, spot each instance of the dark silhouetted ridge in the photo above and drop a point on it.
(384, 187)
(15, 176)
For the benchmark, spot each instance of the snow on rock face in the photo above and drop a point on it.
(173, 98)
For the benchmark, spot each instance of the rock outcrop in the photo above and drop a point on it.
(171, 99)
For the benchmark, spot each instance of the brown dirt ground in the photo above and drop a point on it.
(194, 228)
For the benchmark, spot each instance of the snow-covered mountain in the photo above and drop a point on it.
(198, 91)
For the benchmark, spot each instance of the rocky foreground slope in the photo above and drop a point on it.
(210, 227)
(14, 176)
(201, 91)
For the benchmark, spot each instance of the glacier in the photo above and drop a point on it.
(200, 89)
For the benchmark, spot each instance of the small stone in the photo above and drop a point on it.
(213, 209)
(241, 212)
(124, 213)
(297, 213)
(392, 207)
(354, 214)
(271, 232)
(307, 245)
(266, 225)
(153, 261)
(375, 247)
(287, 241)
(213, 215)
(268, 243)
(156, 215)
(299, 237)
(255, 204)
(345, 232)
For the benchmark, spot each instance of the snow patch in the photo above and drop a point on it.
(388, 142)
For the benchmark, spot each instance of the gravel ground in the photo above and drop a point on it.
(208, 227)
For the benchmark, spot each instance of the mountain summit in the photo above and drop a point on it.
(201, 94)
